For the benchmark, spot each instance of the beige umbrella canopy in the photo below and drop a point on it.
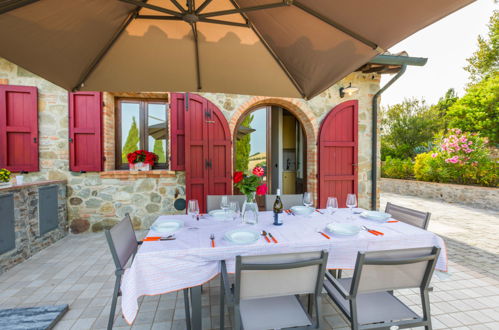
(258, 47)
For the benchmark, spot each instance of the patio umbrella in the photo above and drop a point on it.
(258, 47)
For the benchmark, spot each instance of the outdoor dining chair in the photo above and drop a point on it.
(123, 245)
(287, 201)
(413, 217)
(266, 289)
(213, 201)
(367, 299)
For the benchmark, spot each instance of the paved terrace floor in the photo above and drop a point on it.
(78, 271)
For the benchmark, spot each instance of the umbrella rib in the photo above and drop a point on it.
(179, 6)
(343, 29)
(239, 10)
(106, 49)
(196, 50)
(166, 18)
(203, 6)
(11, 5)
(217, 21)
(153, 7)
(271, 51)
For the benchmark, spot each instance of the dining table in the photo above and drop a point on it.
(193, 258)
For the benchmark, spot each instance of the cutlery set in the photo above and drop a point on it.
(372, 231)
(264, 234)
(159, 238)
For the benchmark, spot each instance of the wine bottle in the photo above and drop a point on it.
(278, 208)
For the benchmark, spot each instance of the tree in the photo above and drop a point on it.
(485, 60)
(478, 109)
(243, 147)
(159, 151)
(132, 141)
(407, 126)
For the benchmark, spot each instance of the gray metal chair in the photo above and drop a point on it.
(407, 215)
(213, 201)
(287, 201)
(266, 289)
(367, 298)
(123, 245)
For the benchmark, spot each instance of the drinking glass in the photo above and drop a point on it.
(332, 205)
(234, 208)
(224, 204)
(351, 202)
(307, 199)
(193, 208)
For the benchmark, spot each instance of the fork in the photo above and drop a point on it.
(372, 231)
(212, 237)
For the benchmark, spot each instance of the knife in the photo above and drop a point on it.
(272, 237)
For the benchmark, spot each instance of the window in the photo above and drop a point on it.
(141, 124)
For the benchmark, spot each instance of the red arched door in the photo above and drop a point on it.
(207, 151)
(338, 152)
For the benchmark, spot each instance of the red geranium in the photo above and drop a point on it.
(142, 156)
(258, 171)
(261, 189)
(238, 176)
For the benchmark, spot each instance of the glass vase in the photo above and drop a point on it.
(250, 210)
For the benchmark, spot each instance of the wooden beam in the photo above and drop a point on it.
(153, 7)
(11, 5)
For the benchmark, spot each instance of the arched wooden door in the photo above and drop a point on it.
(338, 153)
(206, 147)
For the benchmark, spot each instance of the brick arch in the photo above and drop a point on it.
(305, 116)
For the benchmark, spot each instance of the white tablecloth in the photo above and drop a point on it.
(165, 266)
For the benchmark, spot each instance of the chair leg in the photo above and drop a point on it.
(339, 273)
(114, 302)
(237, 318)
(187, 309)
(318, 306)
(222, 303)
(425, 300)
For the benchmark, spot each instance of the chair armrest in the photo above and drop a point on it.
(226, 283)
(337, 285)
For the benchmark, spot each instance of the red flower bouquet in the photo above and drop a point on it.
(251, 184)
(141, 160)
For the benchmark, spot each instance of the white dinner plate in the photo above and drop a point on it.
(343, 229)
(302, 210)
(376, 216)
(221, 214)
(167, 226)
(242, 236)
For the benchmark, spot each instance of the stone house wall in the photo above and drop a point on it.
(98, 200)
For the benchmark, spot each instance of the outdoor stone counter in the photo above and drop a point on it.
(479, 197)
(32, 217)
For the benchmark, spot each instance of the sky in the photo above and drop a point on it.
(446, 43)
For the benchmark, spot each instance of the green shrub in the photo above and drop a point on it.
(461, 158)
(397, 168)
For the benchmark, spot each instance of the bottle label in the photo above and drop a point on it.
(277, 219)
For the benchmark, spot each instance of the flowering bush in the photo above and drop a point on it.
(459, 158)
(4, 175)
(397, 168)
(249, 184)
(142, 156)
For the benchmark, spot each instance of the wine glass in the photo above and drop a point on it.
(332, 205)
(224, 204)
(307, 199)
(193, 208)
(351, 202)
(234, 208)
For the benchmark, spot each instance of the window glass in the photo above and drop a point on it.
(157, 131)
(143, 125)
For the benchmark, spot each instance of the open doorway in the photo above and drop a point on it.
(273, 138)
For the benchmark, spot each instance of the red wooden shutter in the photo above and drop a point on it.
(177, 129)
(338, 153)
(85, 132)
(19, 128)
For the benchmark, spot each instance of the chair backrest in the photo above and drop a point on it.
(122, 242)
(213, 201)
(394, 269)
(407, 215)
(287, 201)
(279, 274)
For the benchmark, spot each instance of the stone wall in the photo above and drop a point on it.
(28, 240)
(479, 197)
(98, 200)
